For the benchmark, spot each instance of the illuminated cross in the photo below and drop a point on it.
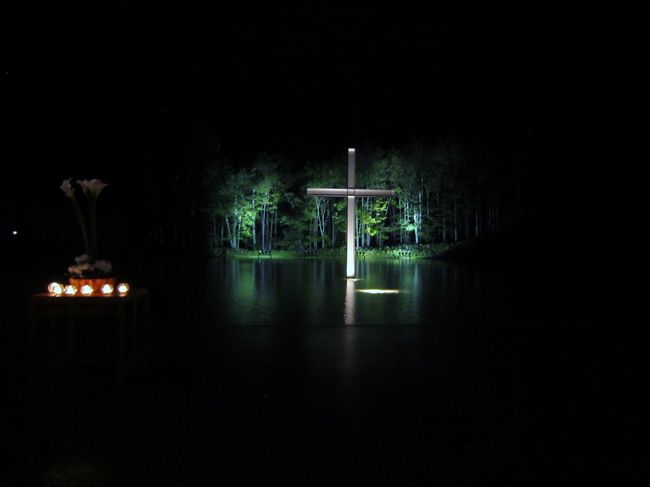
(351, 191)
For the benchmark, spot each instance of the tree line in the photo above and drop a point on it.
(445, 193)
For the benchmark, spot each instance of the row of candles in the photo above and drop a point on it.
(57, 289)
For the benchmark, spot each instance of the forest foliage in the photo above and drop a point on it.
(445, 193)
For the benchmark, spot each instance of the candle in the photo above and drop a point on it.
(70, 290)
(55, 288)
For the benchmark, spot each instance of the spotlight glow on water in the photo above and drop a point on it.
(378, 291)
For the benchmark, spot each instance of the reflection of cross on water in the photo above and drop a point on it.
(350, 314)
(350, 192)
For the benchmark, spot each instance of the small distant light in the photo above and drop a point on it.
(378, 291)
(55, 288)
(122, 288)
(14, 232)
(70, 290)
(107, 289)
(86, 290)
(350, 150)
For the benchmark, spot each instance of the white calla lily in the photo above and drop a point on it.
(92, 187)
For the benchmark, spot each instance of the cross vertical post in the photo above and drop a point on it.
(350, 268)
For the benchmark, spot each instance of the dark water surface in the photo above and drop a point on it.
(312, 292)
(315, 292)
(464, 376)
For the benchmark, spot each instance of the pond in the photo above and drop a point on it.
(390, 368)
(315, 292)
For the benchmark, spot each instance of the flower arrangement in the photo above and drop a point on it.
(87, 265)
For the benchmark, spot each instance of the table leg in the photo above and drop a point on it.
(121, 366)
(70, 351)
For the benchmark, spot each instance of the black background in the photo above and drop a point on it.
(115, 92)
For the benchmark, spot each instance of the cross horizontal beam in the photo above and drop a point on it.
(340, 193)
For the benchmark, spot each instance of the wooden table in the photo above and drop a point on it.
(57, 325)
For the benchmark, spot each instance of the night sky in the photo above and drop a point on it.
(110, 93)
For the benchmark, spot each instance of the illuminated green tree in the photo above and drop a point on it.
(238, 211)
(323, 213)
(270, 187)
(445, 193)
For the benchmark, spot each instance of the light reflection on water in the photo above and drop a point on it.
(350, 301)
(316, 292)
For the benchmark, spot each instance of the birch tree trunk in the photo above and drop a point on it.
(231, 238)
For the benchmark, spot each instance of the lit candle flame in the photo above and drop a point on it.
(55, 288)
(70, 290)
(122, 288)
(107, 289)
(86, 290)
